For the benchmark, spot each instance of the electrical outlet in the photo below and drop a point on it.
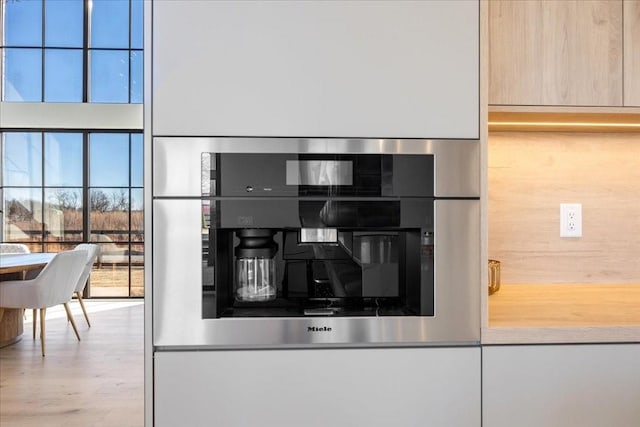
(570, 220)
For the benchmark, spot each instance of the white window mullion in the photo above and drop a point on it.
(37, 115)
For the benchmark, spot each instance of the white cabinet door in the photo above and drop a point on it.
(562, 385)
(361, 69)
(337, 387)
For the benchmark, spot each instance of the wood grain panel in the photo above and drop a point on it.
(538, 121)
(631, 13)
(530, 174)
(560, 334)
(565, 305)
(578, 313)
(515, 29)
(555, 52)
(10, 325)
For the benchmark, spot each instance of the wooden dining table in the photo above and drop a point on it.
(14, 267)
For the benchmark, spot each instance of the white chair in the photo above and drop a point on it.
(14, 248)
(54, 285)
(92, 254)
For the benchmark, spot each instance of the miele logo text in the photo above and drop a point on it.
(317, 329)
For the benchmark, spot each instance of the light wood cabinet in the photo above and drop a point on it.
(561, 386)
(631, 13)
(556, 53)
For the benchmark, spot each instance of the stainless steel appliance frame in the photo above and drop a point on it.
(176, 252)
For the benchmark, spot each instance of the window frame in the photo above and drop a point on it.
(79, 117)
(41, 241)
(86, 49)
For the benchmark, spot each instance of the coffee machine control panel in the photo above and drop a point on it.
(295, 175)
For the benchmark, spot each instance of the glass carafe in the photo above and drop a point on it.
(255, 279)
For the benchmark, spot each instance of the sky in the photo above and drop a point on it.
(114, 72)
(50, 34)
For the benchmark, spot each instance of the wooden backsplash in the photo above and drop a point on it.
(531, 173)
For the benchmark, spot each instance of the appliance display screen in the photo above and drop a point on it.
(319, 172)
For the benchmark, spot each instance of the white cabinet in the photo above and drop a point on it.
(561, 385)
(321, 387)
(375, 69)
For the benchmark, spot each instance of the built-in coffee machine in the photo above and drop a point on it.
(287, 235)
(293, 242)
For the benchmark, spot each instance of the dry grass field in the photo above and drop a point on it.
(113, 281)
(119, 234)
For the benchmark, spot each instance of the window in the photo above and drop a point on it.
(66, 185)
(51, 204)
(72, 51)
(43, 189)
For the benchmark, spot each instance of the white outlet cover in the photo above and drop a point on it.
(570, 220)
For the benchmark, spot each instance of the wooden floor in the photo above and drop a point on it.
(98, 381)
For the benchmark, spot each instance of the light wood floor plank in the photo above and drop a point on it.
(98, 381)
